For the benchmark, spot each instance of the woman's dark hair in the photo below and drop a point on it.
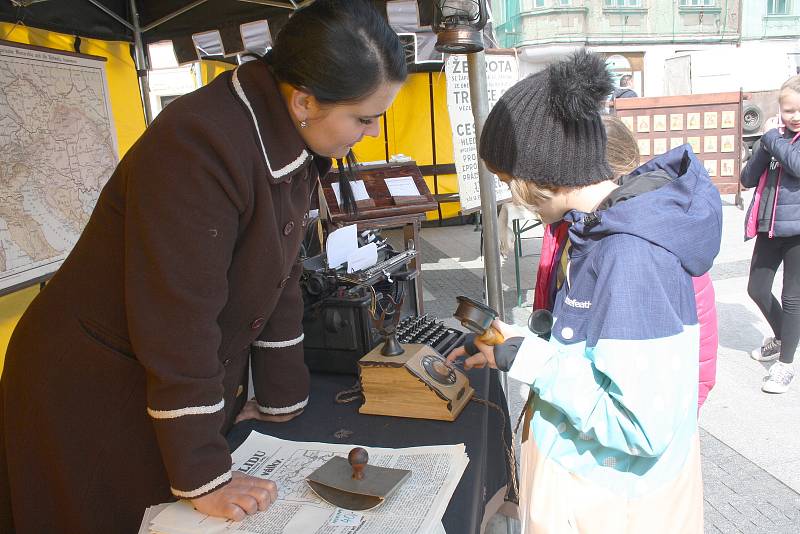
(340, 51)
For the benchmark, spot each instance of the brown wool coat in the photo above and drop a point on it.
(127, 369)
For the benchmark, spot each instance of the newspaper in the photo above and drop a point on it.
(416, 507)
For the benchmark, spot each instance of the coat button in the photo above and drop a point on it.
(257, 323)
(227, 362)
(239, 390)
(305, 219)
(288, 228)
(289, 179)
(284, 282)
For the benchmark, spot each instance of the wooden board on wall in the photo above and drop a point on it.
(710, 123)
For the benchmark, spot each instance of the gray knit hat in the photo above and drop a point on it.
(547, 127)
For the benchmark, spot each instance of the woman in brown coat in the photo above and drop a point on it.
(127, 370)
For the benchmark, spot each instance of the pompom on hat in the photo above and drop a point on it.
(547, 127)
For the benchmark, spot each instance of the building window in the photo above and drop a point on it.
(564, 3)
(698, 3)
(622, 3)
(777, 7)
(538, 3)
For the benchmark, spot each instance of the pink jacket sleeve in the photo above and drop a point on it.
(709, 340)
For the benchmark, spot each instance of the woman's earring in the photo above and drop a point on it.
(303, 124)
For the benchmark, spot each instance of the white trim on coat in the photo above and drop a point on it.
(277, 173)
(205, 488)
(266, 410)
(189, 410)
(279, 344)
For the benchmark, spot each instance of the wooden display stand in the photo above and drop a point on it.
(382, 210)
(710, 123)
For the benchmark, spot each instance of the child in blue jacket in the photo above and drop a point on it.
(612, 435)
(776, 224)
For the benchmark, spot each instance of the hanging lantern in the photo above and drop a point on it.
(458, 25)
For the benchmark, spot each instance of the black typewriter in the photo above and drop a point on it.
(339, 309)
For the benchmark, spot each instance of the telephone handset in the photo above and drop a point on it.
(477, 318)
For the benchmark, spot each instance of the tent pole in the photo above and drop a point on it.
(491, 258)
(480, 109)
(140, 61)
(111, 14)
(172, 15)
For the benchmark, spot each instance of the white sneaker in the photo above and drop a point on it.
(780, 376)
(769, 351)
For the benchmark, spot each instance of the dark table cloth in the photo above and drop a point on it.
(479, 427)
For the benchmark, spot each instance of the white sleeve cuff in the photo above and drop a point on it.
(532, 355)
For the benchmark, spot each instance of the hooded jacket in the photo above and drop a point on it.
(643, 182)
(549, 278)
(615, 389)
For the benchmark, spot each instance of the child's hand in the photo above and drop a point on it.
(485, 356)
(479, 360)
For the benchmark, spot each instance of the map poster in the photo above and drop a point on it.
(502, 72)
(59, 148)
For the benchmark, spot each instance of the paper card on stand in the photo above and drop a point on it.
(403, 186)
(341, 244)
(359, 191)
(361, 258)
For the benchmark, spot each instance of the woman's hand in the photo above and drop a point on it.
(486, 355)
(251, 411)
(244, 495)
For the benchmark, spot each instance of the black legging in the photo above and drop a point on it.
(784, 319)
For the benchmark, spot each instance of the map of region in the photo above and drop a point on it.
(59, 149)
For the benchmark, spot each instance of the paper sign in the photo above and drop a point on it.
(726, 167)
(358, 187)
(727, 143)
(403, 186)
(711, 167)
(659, 123)
(676, 121)
(341, 243)
(363, 257)
(502, 71)
(628, 122)
(728, 119)
(710, 120)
